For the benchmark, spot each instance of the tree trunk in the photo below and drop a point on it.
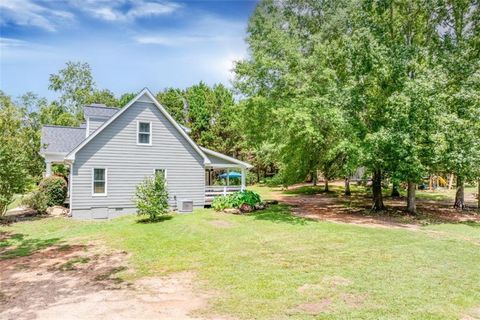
(314, 178)
(460, 194)
(326, 185)
(411, 203)
(347, 187)
(430, 183)
(258, 175)
(377, 191)
(395, 192)
(478, 195)
(450, 181)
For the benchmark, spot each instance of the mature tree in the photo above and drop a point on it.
(75, 85)
(104, 96)
(460, 43)
(14, 160)
(291, 88)
(125, 98)
(210, 113)
(29, 106)
(54, 114)
(175, 103)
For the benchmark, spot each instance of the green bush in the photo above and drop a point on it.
(275, 181)
(55, 189)
(36, 200)
(235, 200)
(152, 197)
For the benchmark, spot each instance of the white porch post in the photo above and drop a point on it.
(243, 179)
(48, 171)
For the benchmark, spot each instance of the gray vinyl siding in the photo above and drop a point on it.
(94, 123)
(115, 148)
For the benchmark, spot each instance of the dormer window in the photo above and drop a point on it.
(144, 133)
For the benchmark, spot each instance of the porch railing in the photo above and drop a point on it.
(214, 191)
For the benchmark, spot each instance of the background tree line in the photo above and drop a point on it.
(392, 86)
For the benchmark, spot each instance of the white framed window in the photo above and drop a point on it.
(99, 182)
(162, 172)
(144, 133)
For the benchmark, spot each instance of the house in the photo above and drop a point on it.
(117, 148)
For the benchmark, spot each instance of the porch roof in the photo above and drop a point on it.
(219, 160)
(58, 139)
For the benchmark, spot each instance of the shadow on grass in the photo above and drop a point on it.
(308, 190)
(15, 245)
(472, 224)
(279, 213)
(28, 216)
(156, 220)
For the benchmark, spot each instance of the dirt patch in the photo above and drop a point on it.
(353, 301)
(473, 314)
(356, 210)
(221, 223)
(337, 281)
(327, 282)
(314, 308)
(83, 282)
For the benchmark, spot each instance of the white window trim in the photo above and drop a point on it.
(138, 133)
(93, 183)
(164, 169)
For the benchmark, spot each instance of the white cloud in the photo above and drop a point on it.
(144, 9)
(203, 30)
(28, 13)
(11, 43)
(177, 39)
(115, 10)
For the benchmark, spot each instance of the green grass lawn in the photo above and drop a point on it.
(268, 264)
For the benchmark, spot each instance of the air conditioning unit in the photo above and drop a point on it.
(185, 205)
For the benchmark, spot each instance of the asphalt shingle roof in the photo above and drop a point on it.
(99, 110)
(61, 139)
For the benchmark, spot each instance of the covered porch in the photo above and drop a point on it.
(224, 175)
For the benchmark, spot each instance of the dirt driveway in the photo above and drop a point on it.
(81, 282)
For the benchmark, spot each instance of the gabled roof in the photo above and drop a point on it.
(99, 111)
(58, 139)
(144, 96)
(209, 152)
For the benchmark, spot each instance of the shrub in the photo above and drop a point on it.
(235, 200)
(275, 181)
(152, 197)
(36, 200)
(221, 203)
(55, 189)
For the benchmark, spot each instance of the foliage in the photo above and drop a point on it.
(55, 189)
(75, 85)
(36, 200)
(152, 197)
(104, 96)
(125, 98)
(236, 199)
(14, 158)
(209, 112)
(364, 83)
(172, 99)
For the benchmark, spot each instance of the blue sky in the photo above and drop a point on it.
(129, 44)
